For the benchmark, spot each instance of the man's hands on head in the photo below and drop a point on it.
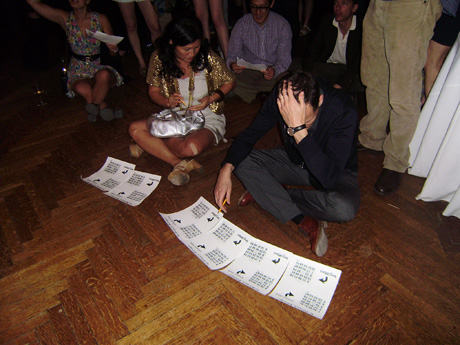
(295, 113)
(292, 111)
(223, 187)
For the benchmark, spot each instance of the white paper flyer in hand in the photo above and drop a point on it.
(111, 39)
(248, 65)
(221, 245)
(260, 266)
(193, 221)
(308, 286)
(113, 173)
(136, 188)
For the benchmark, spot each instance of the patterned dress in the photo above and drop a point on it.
(84, 45)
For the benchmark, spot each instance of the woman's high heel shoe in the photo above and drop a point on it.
(179, 176)
(193, 165)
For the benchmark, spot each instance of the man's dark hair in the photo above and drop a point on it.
(355, 2)
(302, 81)
(248, 3)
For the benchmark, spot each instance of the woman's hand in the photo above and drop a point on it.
(113, 48)
(162, 100)
(55, 15)
(174, 100)
(204, 102)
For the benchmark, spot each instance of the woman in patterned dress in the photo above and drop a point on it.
(86, 75)
(184, 71)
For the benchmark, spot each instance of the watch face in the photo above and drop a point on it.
(292, 130)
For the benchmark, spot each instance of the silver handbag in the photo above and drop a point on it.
(170, 123)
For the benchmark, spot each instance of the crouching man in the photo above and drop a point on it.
(318, 125)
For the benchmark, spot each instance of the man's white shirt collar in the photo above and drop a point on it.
(353, 23)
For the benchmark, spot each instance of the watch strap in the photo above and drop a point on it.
(292, 130)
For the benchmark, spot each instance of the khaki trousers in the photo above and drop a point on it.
(249, 83)
(395, 41)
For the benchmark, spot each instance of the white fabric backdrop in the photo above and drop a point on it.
(435, 147)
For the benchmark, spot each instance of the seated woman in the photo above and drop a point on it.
(86, 75)
(184, 71)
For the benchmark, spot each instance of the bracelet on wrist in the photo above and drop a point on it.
(220, 93)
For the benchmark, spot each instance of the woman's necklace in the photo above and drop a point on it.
(191, 88)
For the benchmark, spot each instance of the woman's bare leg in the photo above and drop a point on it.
(155, 146)
(201, 12)
(217, 14)
(192, 145)
(103, 80)
(172, 150)
(307, 10)
(84, 87)
(128, 12)
(151, 19)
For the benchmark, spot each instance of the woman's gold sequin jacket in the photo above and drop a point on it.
(219, 75)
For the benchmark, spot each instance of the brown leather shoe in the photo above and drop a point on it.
(388, 182)
(245, 199)
(314, 229)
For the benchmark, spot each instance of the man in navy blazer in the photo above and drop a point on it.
(335, 52)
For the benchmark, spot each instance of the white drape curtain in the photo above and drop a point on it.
(435, 147)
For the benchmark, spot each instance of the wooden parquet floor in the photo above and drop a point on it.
(78, 267)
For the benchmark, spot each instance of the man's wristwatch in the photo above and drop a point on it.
(293, 130)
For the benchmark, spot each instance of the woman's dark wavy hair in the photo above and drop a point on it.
(302, 81)
(181, 32)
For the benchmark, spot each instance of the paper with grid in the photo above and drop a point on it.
(299, 282)
(120, 180)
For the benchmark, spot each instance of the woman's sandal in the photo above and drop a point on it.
(118, 114)
(135, 150)
(107, 114)
(179, 176)
(304, 31)
(93, 111)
